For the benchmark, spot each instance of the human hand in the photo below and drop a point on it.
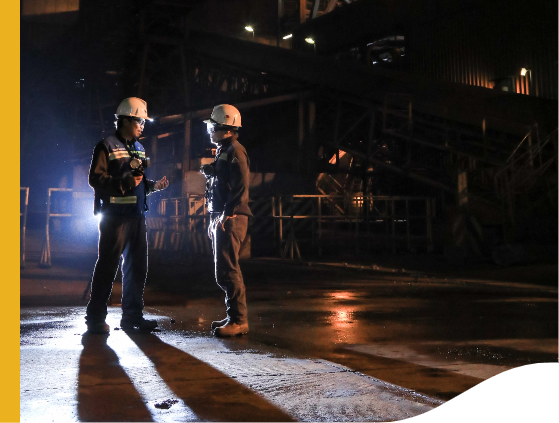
(223, 219)
(161, 184)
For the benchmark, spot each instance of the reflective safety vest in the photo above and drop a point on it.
(133, 201)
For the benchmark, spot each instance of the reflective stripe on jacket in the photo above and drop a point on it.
(110, 176)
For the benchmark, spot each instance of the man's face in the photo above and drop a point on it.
(133, 127)
(217, 135)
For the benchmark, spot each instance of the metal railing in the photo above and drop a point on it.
(359, 220)
(23, 215)
(46, 259)
(524, 167)
(343, 221)
(189, 209)
(321, 220)
(180, 225)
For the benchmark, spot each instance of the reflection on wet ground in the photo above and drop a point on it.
(332, 345)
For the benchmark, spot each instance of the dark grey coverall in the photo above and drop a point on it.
(229, 195)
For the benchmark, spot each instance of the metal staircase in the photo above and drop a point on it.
(499, 170)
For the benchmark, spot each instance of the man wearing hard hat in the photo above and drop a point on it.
(117, 176)
(227, 201)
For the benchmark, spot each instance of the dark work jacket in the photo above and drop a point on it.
(229, 188)
(110, 176)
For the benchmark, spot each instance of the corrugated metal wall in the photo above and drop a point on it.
(45, 7)
(480, 46)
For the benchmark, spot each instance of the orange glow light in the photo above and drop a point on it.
(342, 295)
(333, 159)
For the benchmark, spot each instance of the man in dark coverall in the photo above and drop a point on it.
(117, 176)
(227, 200)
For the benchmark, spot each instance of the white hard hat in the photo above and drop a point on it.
(133, 106)
(225, 114)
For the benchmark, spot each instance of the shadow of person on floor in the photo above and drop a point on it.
(210, 394)
(105, 392)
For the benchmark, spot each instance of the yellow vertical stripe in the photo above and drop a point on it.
(9, 257)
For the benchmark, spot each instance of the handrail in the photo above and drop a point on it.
(46, 260)
(357, 214)
(533, 150)
(521, 142)
(354, 216)
(24, 226)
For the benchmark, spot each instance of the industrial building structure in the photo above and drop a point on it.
(404, 150)
(401, 125)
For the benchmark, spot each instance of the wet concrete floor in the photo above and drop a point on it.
(326, 343)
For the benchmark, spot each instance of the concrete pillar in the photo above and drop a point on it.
(186, 157)
(280, 15)
(301, 137)
(463, 190)
(311, 144)
(302, 11)
(153, 158)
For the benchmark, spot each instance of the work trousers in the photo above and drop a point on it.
(124, 236)
(226, 245)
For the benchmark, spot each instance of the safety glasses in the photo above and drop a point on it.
(212, 128)
(141, 121)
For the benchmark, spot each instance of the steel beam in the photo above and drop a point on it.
(453, 101)
(204, 113)
(401, 171)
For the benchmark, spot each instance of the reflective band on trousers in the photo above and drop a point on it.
(132, 199)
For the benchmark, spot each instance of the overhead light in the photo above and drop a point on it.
(309, 40)
(288, 36)
(524, 71)
(249, 28)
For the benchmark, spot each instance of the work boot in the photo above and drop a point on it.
(140, 324)
(218, 323)
(232, 329)
(98, 328)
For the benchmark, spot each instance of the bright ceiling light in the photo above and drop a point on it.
(309, 40)
(524, 71)
(288, 36)
(249, 28)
